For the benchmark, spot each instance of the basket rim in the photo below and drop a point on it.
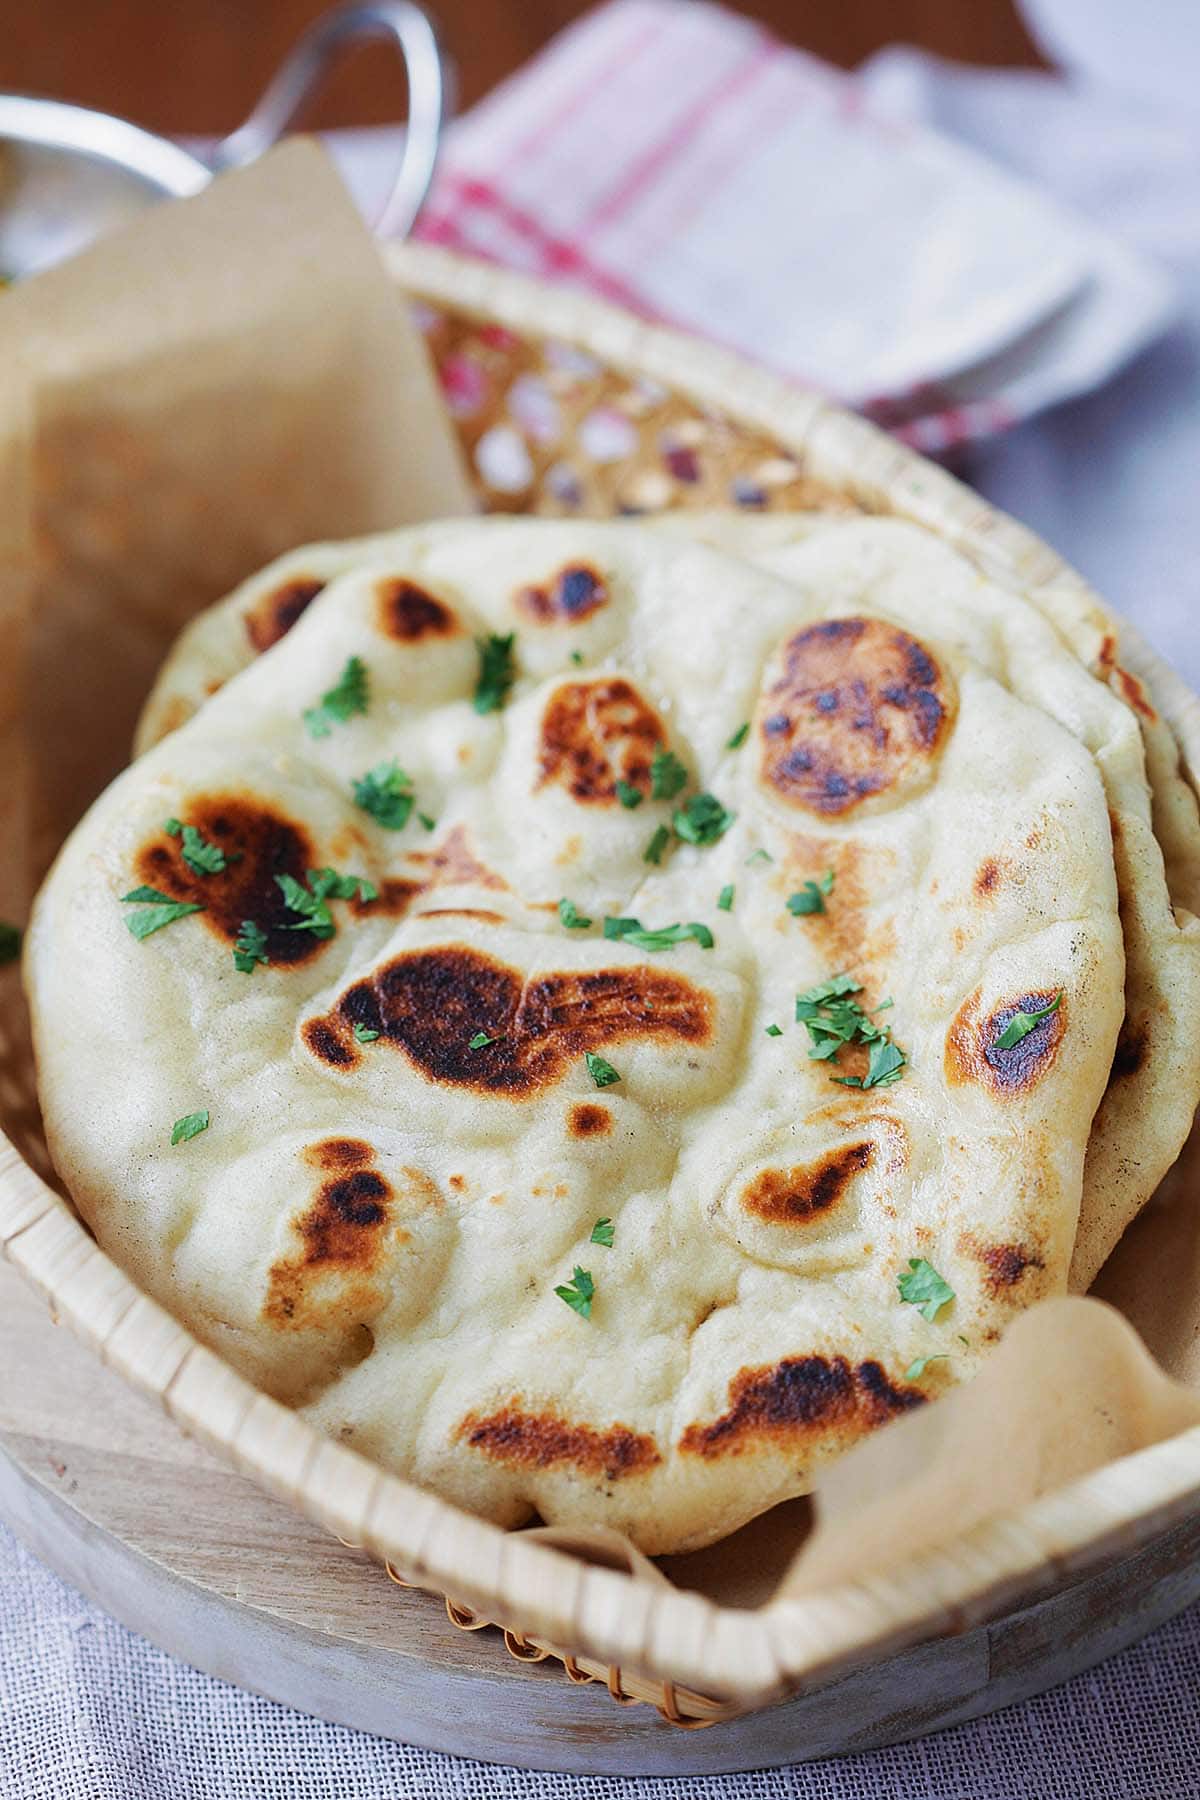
(663, 1633)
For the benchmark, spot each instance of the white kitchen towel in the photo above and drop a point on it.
(677, 158)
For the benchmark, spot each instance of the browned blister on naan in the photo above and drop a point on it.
(561, 1222)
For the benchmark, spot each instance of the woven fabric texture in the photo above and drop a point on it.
(88, 1711)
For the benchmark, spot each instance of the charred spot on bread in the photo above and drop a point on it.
(574, 593)
(430, 1004)
(816, 1397)
(523, 1438)
(272, 615)
(859, 707)
(588, 1120)
(407, 613)
(799, 1194)
(971, 1049)
(595, 734)
(260, 842)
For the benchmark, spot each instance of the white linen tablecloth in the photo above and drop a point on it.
(89, 1712)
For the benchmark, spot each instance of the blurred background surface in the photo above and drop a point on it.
(199, 68)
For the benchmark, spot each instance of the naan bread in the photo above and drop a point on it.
(1155, 1084)
(1151, 1099)
(375, 1226)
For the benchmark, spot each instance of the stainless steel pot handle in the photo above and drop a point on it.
(399, 22)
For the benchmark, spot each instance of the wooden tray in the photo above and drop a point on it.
(172, 1542)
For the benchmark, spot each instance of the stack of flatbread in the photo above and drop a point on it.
(600, 1016)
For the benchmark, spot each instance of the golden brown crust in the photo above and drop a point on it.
(273, 615)
(596, 733)
(860, 707)
(522, 1439)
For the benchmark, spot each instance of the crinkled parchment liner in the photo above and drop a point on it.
(229, 377)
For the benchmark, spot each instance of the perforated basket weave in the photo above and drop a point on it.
(569, 407)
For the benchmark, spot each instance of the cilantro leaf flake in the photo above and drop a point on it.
(921, 1286)
(386, 793)
(190, 1126)
(1022, 1023)
(201, 856)
(701, 819)
(653, 852)
(249, 947)
(739, 737)
(668, 776)
(774, 1031)
(916, 1369)
(310, 902)
(497, 671)
(578, 1292)
(811, 897)
(364, 1034)
(725, 899)
(338, 705)
(601, 1072)
(602, 1233)
(632, 931)
(571, 916)
(480, 1040)
(628, 795)
(155, 910)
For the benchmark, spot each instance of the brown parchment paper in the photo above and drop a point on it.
(231, 376)
(220, 380)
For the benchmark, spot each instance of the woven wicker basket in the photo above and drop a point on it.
(566, 406)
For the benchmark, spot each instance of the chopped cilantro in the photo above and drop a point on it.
(921, 1286)
(701, 819)
(190, 1126)
(811, 898)
(157, 910)
(833, 1018)
(667, 775)
(577, 658)
(10, 942)
(201, 856)
(739, 737)
(632, 931)
(427, 822)
(602, 1233)
(571, 916)
(578, 1292)
(386, 793)
(601, 1072)
(339, 705)
(885, 1064)
(311, 902)
(774, 1031)
(496, 671)
(628, 795)
(249, 947)
(758, 856)
(916, 1369)
(725, 899)
(1022, 1023)
(363, 1034)
(653, 852)
(480, 1039)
